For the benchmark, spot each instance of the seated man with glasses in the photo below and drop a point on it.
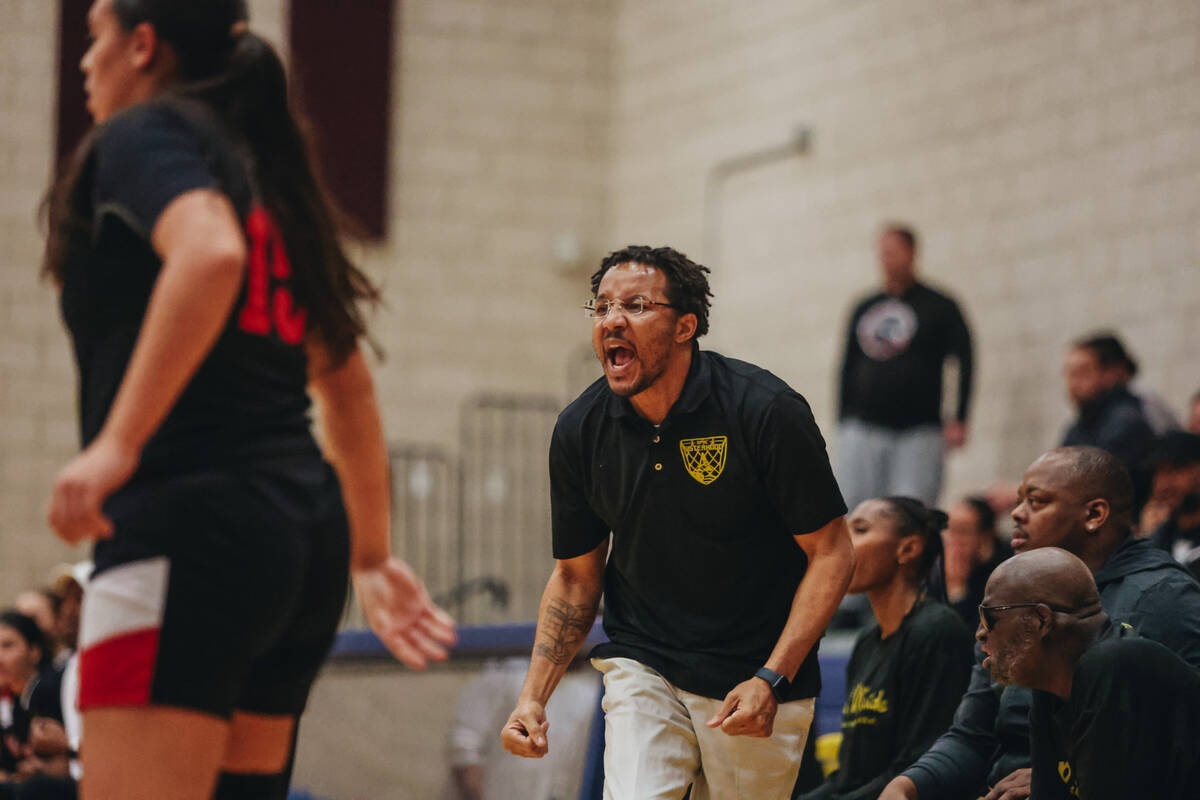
(729, 549)
(1079, 499)
(1114, 715)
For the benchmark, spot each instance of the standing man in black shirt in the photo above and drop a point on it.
(1114, 715)
(729, 549)
(892, 436)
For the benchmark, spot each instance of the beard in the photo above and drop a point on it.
(1010, 664)
(651, 365)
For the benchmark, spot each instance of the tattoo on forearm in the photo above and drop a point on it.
(563, 629)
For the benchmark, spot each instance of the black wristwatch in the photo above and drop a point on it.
(779, 684)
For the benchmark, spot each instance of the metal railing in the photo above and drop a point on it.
(476, 527)
(505, 501)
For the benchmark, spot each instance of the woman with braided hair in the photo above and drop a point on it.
(908, 670)
(206, 294)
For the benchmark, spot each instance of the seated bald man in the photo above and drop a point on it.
(1114, 715)
(1079, 499)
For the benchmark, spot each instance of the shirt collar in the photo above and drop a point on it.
(696, 389)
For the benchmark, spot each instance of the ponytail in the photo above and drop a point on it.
(914, 518)
(250, 99)
(239, 79)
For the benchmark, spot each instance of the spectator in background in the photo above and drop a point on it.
(1110, 417)
(1193, 425)
(972, 550)
(41, 605)
(30, 686)
(481, 770)
(1120, 369)
(893, 438)
(1114, 715)
(67, 584)
(1172, 515)
(907, 671)
(1079, 499)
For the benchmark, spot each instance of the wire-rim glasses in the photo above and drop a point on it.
(633, 307)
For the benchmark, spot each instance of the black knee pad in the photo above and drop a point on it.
(235, 786)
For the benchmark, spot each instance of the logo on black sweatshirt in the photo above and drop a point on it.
(887, 329)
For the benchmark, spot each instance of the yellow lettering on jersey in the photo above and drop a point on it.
(704, 458)
(861, 699)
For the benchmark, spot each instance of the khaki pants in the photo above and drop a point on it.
(656, 743)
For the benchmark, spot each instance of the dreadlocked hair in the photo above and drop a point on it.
(687, 286)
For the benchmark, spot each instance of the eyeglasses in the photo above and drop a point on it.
(987, 614)
(634, 307)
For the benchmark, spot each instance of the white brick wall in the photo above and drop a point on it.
(1047, 151)
(501, 146)
(34, 370)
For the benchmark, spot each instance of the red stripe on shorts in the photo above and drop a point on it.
(118, 671)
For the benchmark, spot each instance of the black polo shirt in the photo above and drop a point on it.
(703, 510)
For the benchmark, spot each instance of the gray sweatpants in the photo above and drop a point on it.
(875, 461)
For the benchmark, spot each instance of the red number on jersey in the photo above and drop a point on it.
(269, 307)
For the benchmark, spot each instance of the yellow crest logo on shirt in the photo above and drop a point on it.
(704, 458)
(1068, 777)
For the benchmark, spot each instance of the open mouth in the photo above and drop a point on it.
(618, 355)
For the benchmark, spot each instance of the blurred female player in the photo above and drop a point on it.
(908, 671)
(204, 288)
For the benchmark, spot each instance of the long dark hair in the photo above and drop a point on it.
(911, 517)
(240, 80)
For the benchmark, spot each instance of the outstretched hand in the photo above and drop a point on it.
(749, 710)
(401, 613)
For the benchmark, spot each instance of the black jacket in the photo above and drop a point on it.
(1140, 585)
(1116, 423)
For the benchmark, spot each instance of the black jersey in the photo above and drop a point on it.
(901, 695)
(1131, 727)
(247, 400)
